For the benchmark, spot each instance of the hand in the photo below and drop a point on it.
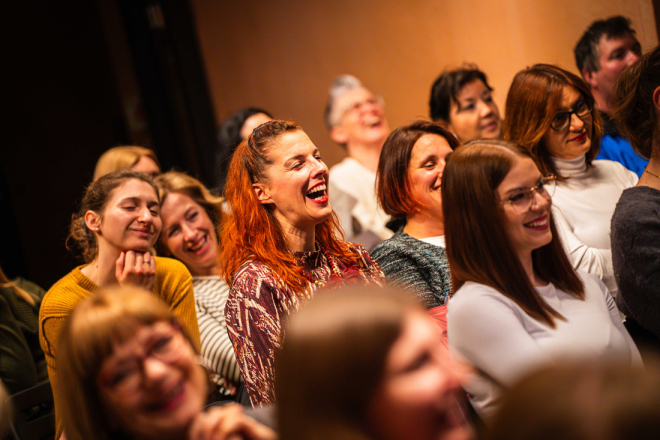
(228, 422)
(136, 269)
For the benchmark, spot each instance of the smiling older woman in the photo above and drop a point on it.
(280, 245)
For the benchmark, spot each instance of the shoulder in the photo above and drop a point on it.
(169, 267)
(209, 287)
(474, 296)
(62, 297)
(346, 166)
(637, 204)
(403, 246)
(611, 170)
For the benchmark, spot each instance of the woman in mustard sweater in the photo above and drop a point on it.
(118, 223)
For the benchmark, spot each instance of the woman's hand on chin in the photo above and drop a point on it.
(228, 422)
(136, 269)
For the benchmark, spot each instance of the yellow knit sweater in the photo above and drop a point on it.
(173, 285)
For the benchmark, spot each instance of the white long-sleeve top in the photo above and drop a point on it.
(503, 343)
(583, 206)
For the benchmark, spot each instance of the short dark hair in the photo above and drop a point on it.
(586, 50)
(446, 87)
(392, 182)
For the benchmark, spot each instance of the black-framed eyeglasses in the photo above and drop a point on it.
(581, 109)
(521, 199)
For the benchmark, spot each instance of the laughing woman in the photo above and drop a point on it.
(280, 245)
(118, 222)
(190, 213)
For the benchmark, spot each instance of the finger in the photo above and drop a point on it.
(119, 265)
(256, 431)
(139, 262)
(148, 258)
(130, 259)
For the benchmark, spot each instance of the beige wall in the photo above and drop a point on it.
(282, 55)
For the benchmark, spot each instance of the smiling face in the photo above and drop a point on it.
(130, 219)
(420, 395)
(151, 386)
(295, 185)
(474, 114)
(575, 140)
(189, 234)
(529, 230)
(363, 121)
(427, 162)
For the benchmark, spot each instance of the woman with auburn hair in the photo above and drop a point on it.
(518, 303)
(128, 371)
(280, 245)
(408, 185)
(461, 101)
(368, 363)
(636, 223)
(139, 159)
(190, 214)
(116, 226)
(549, 111)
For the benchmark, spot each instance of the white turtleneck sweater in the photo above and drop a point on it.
(583, 206)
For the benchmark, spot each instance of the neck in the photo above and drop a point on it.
(528, 267)
(650, 177)
(101, 271)
(367, 155)
(424, 225)
(299, 240)
(601, 102)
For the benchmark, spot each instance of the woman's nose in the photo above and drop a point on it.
(486, 110)
(540, 201)
(154, 370)
(146, 215)
(188, 232)
(576, 123)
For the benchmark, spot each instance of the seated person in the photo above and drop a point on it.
(462, 102)
(356, 120)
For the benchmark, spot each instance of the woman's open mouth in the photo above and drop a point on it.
(540, 223)
(169, 401)
(318, 193)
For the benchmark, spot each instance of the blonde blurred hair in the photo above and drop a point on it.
(119, 158)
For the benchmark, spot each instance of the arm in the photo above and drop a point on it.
(217, 350)
(17, 367)
(595, 261)
(253, 318)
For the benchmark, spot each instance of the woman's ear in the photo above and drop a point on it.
(339, 135)
(261, 191)
(93, 221)
(656, 97)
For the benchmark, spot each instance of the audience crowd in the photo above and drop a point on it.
(467, 276)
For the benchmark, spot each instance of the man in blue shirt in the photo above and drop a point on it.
(605, 50)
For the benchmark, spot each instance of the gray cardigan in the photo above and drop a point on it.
(416, 266)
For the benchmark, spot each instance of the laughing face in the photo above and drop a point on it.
(295, 183)
(575, 140)
(189, 234)
(131, 218)
(151, 386)
(363, 121)
(527, 230)
(427, 162)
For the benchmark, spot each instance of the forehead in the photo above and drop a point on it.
(608, 44)
(353, 96)
(523, 173)
(175, 202)
(290, 144)
(133, 188)
(418, 334)
(430, 144)
(124, 343)
(569, 95)
(474, 88)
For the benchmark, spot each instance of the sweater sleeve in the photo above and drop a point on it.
(595, 261)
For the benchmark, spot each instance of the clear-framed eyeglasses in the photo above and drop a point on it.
(582, 109)
(359, 106)
(523, 199)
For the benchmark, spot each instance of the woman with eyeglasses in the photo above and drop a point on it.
(128, 370)
(549, 111)
(518, 303)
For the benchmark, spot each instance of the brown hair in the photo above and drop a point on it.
(236, 234)
(446, 87)
(393, 186)
(122, 157)
(81, 238)
(633, 108)
(531, 104)
(582, 401)
(88, 337)
(174, 181)
(481, 251)
(333, 360)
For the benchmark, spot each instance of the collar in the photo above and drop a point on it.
(569, 167)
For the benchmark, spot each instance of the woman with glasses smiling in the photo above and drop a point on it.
(549, 111)
(518, 303)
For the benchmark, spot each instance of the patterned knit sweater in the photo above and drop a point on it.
(416, 266)
(173, 285)
(258, 304)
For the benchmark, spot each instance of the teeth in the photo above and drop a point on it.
(199, 246)
(539, 223)
(321, 187)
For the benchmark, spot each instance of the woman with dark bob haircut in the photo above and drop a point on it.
(636, 223)
(281, 244)
(408, 185)
(518, 303)
(367, 364)
(549, 111)
(461, 101)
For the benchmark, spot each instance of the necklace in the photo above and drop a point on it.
(653, 174)
(333, 268)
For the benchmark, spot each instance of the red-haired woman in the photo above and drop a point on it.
(280, 245)
(518, 302)
(549, 111)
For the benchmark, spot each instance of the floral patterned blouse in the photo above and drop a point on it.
(258, 303)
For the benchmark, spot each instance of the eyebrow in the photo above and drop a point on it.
(299, 156)
(524, 187)
(137, 200)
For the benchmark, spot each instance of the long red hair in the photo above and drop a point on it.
(252, 232)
